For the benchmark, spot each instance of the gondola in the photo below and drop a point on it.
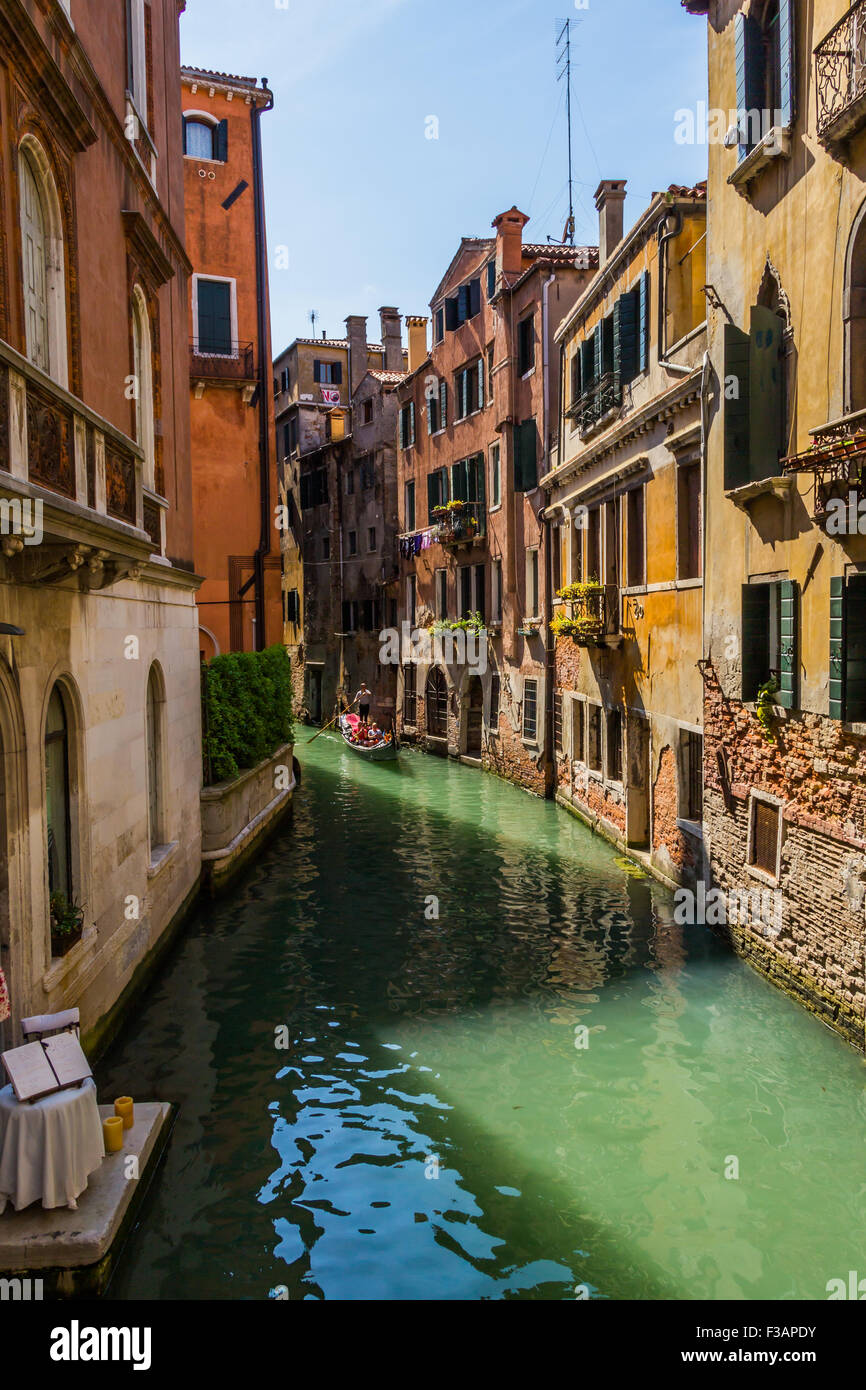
(373, 753)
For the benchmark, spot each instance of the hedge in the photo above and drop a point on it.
(246, 710)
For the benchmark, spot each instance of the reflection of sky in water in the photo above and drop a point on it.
(415, 1044)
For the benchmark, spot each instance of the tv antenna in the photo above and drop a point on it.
(313, 320)
(563, 62)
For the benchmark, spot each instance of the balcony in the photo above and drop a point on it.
(71, 496)
(837, 462)
(234, 367)
(460, 523)
(592, 616)
(840, 77)
(603, 396)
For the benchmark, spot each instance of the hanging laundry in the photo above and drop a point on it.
(4, 998)
(417, 544)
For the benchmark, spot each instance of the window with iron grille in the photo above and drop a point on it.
(614, 745)
(557, 722)
(593, 737)
(765, 836)
(693, 746)
(530, 709)
(410, 695)
(495, 699)
(577, 731)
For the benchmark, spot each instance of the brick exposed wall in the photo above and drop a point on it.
(668, 839)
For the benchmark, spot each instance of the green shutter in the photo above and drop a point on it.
(789, 73)
(526, 457)
(765, 394)
(756, 639)
(855, 649)
(452, 320)
(431, 402)
(750, 78)
(432, 494)
(587, 363)
(411, 422)
(480, 383)
(459, 485)
(643, 322)
(443, 404)
(790, 656)
(474, 298)
(837, 647)
(476, 473)
(317, 371)
(221, 142)
(214, 317)
(597, 368)
(627, 306)
(736, 407)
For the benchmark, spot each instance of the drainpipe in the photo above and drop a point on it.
(265, 385)
(663, 239)
(705, 394)
(549, 644)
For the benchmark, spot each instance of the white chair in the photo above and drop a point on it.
(42, 1025)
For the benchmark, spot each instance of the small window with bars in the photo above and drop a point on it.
(577, 731)
(530, 710)
(693, 795)
(764, 836)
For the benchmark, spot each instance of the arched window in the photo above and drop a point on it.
(204, 137)
(43, 262)
(156, 827)
(437, 704)
(57, 801)
(143, 373)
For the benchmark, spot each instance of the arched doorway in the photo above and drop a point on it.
(474, 717)
(437, 704)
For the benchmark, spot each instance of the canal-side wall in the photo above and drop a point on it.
(238, 815)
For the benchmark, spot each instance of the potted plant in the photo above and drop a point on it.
(765, 708)
(67, 923)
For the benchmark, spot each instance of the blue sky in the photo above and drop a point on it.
(370, 209)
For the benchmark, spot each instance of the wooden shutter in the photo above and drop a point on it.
(221, 142)
(480, 370)
(474, 298)
(432, 494)
(789, 72)
(214, 317)
(411, 422)
(756, 638)
(525, 456)
(575, 378)
(337, 373)
(317, 371)
(34, 249)
(476, 480)
(491, 279)
(451, 318)
(643, 313)
(597, 353)
(463, 304)
(587, 363)
(750, 77)
(790, 656)
(443, 404)
(431, 411)
(855, 649)
(837, 647)
(765, 394)
(736, 389)
(625, 336)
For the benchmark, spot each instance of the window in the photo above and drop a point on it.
(57, 798)
(465, 304)
(155, 703)
(328, 373)
(441, 590)
(371, 538)
(526, 456)
(350, 615)
(353, 542)
(478, 587)
(765, 827)
(469, 386)
(614, 745)
(557, 721)
(593, 545)
(575, 572)
(530, 710)
(689, 521)
(440, 325)
(204, 139)
(532, 583)
(556, 539)
(137, 56)
(410, 695)
(437, 408)
(635, 540)
(577, 739)
(409, 506)
(464, 590)
(143, 376)
(848, 648)
(437, 704)
(411, 598)
(495, 475)
(43, 262)
(769, 640)
(491, 278)
(284, 379)
(526, 345)
(214, 304)
(368, 412)
(490, 375)
(593, 737)
(754, 398)
(437, 491)
(495, 701)
(326, 548)
(290, 436)
(291, 606)
(368, 473)
(496, 590)
(692, 746)
(314, 488)
(765, 73)
(350, 480)
(407, 426)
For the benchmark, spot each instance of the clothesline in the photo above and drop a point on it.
(418, 541)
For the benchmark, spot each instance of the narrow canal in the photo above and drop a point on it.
(431, 1130)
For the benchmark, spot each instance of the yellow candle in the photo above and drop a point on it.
(125, 1110)
(112, 1131)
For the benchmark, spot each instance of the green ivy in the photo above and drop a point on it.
(247, 709)
(764, 711)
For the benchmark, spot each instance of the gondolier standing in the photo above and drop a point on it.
(362, 700)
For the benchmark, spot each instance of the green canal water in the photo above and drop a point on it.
(431, 1130)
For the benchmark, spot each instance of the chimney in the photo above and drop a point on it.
(356, 332)
(417, 327)
(509, 242)
(609, 199)
(392, 338)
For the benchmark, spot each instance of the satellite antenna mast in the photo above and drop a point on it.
(313, 317)
(563, 44)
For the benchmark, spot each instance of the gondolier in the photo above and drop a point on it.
(362, 700)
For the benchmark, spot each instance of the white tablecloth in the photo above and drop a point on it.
(49, 1148)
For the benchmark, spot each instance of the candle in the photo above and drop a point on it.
(124, 1109)
(112, 1132)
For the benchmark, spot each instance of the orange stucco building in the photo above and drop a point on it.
(235, 497)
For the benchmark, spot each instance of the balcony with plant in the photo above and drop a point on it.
(592, 616)
(459, 523)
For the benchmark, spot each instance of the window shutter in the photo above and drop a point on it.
(756, 638)
(837, 647)
(214, 316)
(443, 404)
(476, 480)
(221, 142)
(480, 370)
(626, 311)
(431, 410)
(790, 657)
(575, 377)
(596, 353)
(337, 373)
(750, 77)
(432, 494)
(526, 457)
(736, 407)
(317, 371)
(474, 298)
(183, 123)
(459, 490)
(587, 363)
(463, 304)
(491, 279)
(643, 322)
(765, 394)
(451, 319)
(411, 422)
(855, 649)
(789, 76)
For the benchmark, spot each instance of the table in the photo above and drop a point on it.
(49, 1148)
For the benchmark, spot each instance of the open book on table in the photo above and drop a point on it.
(40, 1068)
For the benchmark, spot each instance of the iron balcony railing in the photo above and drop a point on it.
(836, 460)
(594, 616)
(604, 395)
(236, 362)
(460, 524)
(840, 76)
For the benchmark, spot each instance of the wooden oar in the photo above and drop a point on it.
(329, 723)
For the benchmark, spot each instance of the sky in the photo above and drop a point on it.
(366, 208)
